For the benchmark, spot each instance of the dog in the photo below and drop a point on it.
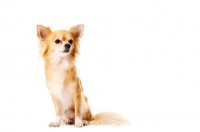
(59, 50)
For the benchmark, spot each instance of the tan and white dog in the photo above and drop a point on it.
(59, 50)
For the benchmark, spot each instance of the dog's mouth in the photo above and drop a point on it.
(66, 51)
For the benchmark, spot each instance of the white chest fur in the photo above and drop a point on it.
(56, 86)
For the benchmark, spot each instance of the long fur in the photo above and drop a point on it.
(108, 118)
(65, 87)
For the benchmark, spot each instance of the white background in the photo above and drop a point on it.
(140, 59)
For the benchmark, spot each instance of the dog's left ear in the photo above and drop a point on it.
(77, 31)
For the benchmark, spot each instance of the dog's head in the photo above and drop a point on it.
(60, 42)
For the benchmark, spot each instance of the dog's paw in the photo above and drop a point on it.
(54, 124)
(78, 123)
(68, 121)
(85, 122)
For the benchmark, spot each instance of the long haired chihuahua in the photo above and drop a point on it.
(59, 50)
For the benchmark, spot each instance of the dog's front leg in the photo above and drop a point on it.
(57, 106)
(78, 116)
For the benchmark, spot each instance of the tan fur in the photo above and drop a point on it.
(65, 87)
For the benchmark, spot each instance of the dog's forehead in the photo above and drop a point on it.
(62, 35)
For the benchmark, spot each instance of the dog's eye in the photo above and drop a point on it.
(70, 41)
(57, 41)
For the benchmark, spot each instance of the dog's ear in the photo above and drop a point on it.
(77, 31)
(43, 32)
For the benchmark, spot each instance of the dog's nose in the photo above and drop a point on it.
(67, 46)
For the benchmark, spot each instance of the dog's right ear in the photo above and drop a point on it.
(43, 32)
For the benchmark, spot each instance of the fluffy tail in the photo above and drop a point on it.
(108, 118)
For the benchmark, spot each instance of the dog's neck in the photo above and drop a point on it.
(56, 61)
